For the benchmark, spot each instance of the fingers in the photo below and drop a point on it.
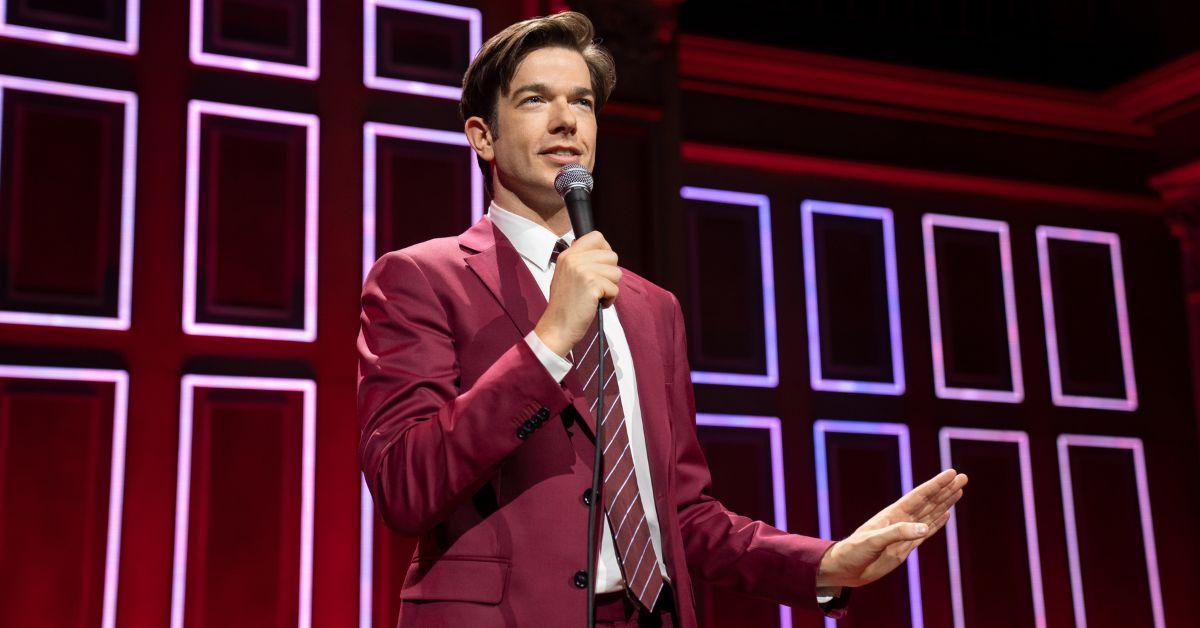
(880, 539)
(589, 242)
(921, 502)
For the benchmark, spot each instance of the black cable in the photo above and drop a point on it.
(597, 467)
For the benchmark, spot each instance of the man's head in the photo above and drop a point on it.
(533, 90)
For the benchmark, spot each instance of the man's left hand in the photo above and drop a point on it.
(882, 543)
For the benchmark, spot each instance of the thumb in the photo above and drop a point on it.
(898, 532)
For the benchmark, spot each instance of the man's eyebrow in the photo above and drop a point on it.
(541, 88)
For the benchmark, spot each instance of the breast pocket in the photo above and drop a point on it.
(479, 579)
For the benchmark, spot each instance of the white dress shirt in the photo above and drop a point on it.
(535, 243)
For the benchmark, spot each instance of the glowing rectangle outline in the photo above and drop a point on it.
(308, 333)
(127, 46)
(1064, 442)
(188, 385)
(371, 77)
(122, 320)
(309, 71)
(1033, 552)
(116, 484)
(872, 428)
(1045, 233)
(762, 203)
(816, 373)
(778, 492)
(372, 131)
(1000, 228)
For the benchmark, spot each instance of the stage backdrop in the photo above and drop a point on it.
(885, 271)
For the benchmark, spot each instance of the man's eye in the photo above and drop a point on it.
(531, 98)
(586, 102)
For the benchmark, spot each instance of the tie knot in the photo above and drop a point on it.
(559, 247)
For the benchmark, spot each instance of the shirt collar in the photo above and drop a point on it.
(533, 241)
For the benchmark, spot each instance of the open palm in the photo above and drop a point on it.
(885, 540)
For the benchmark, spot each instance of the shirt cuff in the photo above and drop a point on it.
(555, 364)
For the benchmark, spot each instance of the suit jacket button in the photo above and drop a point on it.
(587, 497)
(529, 425)
(522, 433)
(581, 579)
(544, 413)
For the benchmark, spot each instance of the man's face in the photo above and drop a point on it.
(545, 121)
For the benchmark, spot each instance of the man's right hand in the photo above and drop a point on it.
(585, 274)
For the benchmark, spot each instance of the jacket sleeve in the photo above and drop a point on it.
(722, 547)
(424, 446)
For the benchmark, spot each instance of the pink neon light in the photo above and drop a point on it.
(900, 431)
(371, 76)
(127, 46)
(1021, 440)
(775, 433)
(374, 130)
(189, 384)
(1130, 402)
(196, 109)
(128, 187)
(770, 379)
(309, 71)
(1065, 441)
(816, 372)
(116, 486)
(1017, 394)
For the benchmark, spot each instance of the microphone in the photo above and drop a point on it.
(574, 183)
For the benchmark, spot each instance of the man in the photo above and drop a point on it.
(477, 397)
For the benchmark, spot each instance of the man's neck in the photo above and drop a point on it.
(555, 219)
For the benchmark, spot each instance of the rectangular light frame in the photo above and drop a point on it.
(821, 427)
(129, 100)
(928, 223)
(310, 71)
(188, 385)
(197, 108)
(1129, 403)
(762, 204)
(372, 131)
(371, 77)
(1134, 445)
(816, 372)
(1021, 440)
(127, 46)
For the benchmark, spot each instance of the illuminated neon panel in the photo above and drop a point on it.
(762, 204)
(179, 570)
(128, 189)
(1021, 440)
(816, 371)
(127, 46)
(898, 430)
(1134, 445)
(941, 389)
(371, 78)
(308, 333)
(309, 71)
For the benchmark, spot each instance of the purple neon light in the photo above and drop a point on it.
(772, 425)
(371, 78)
(189, 384)
(770, 379)
(900, 431)
(1065, 442)
(1130, 402)
(127, 46)
(374, 130)
(1021, 440)
(1017, 394)
(308, 333)
(816, 373)
(116, 485)
(309, 71)
(128, 187)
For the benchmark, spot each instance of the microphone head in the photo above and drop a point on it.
(572, 176)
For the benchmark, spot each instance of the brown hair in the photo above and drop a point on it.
(490, 73)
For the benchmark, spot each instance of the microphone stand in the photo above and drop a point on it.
(597, 465)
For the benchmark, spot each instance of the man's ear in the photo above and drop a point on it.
(480, 137)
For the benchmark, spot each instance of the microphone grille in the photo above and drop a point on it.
(572, 176)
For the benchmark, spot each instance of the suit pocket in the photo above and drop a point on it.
(479, 579)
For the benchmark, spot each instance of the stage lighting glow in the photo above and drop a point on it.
(127, 46)
(371, 78)
(309, 71)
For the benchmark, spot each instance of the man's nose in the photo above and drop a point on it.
(562, 118)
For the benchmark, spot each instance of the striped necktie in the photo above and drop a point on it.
(622, 501)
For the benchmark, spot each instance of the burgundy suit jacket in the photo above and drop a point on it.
(446, 379)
